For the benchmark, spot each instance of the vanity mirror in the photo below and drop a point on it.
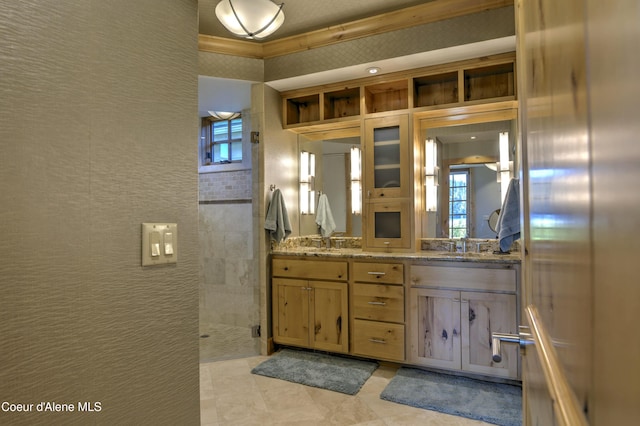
(475, 161)
(332, 151)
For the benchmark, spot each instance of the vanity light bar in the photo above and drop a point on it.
(431, 174)
(504, 165)
(307, 190)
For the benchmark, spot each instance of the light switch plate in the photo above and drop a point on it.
(159, 243)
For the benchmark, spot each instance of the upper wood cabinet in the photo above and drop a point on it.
(487, 79)
(387, 156)
(387, 183)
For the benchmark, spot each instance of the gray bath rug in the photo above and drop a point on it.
(319, 370)
(496, 403)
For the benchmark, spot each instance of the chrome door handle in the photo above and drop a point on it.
(523, 338)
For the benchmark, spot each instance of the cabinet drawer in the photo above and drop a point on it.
(309, 269)
(378, 340)
(387, 273)
(463, 278)
(378, 302)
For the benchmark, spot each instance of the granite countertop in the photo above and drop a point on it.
(431, 249)
(358, 253)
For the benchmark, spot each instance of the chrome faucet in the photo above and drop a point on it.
(464, 241)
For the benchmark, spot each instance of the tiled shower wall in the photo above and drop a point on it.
(229, 293)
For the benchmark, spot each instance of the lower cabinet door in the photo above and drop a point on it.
(435, 328)
(291, 311)
(378, 339)
(329, 319)
(483, 314)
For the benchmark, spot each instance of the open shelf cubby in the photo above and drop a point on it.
(388, 96)
(303, 109)
(342, 103)
(494, 81)
(438, 89)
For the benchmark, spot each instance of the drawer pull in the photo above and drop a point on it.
(378, 303)
(378, 341)
(376, 273)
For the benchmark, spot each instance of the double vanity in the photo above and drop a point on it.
(433, 308)
(438, 145)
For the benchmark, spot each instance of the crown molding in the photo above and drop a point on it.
(434, 11)
(230, 46)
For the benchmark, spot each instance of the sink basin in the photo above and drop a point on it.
(460, 255)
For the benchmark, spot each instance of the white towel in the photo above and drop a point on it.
(508, 226)
(277, 220)
(324, 218)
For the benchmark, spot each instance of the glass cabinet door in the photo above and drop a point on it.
(389, 224)
(387, 157)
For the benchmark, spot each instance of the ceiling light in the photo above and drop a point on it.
(373, 70)
(224, 115)
(252, 19)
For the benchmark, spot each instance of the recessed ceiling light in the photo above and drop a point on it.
(373, 70)
(473, 137)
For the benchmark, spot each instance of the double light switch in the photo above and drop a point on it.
(159, 243)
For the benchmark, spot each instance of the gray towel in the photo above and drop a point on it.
(324, 217)
(277, 220)
(509, 220)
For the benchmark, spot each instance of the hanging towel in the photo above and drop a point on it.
(277, 221)
(508, 226)
(324, 218)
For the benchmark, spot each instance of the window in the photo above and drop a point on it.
(458, 203)
(224, 142)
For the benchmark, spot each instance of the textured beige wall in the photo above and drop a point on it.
(228, 66)
(274, 163)
(477, 27)
(99, 134)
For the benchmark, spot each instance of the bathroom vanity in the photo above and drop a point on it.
(428, 308)
(400, 294)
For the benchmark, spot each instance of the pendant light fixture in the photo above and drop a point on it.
(252, 19)
(224, 115)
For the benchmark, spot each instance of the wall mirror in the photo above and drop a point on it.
(469, 182)
(331, 150)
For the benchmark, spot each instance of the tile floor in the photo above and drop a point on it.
(231, 395)
(222, 342)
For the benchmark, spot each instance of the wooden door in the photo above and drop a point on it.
(435, 334)
(579, 100)
(291, 311)
(483, 314)
(329, 319)
(557, 279)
